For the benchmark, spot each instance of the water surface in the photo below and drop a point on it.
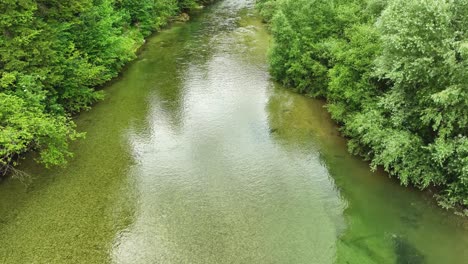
(197, 156)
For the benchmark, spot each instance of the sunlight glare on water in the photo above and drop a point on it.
(214, 184)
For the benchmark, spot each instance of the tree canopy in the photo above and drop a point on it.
(52, 56)
(394, 74)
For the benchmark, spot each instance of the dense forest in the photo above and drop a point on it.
(394, 74)
(53, 54)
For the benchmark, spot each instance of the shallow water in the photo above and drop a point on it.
(196, 156)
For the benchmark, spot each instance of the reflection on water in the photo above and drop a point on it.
(196, 156)
(216, 186)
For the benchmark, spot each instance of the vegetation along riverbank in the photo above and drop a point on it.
(52, 56)
(394, 74)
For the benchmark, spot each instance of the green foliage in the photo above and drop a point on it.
(52, 55)
(394, 75)
(422, 43)
(147, 15)
(267, 8)
(24, 125)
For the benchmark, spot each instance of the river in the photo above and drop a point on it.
(197, 156)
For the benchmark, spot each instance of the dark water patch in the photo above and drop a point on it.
(361, 246)
(411, 221)
(273, 130)
(405, 252)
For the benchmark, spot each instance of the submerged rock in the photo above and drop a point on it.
(184, 17)
(412, 218)
(410, 221)
(405, 252)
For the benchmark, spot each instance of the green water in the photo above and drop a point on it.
(196, 156)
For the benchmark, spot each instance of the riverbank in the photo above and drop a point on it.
(397, 91)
